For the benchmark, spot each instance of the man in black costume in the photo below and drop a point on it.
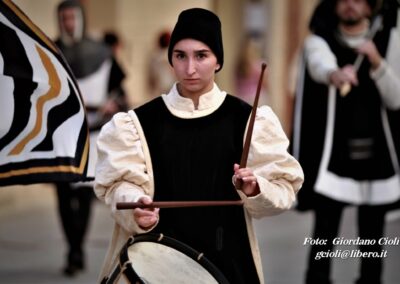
(347, 140)
(99, 78)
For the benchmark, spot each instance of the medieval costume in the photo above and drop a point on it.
(169, 149)
(98, 75)
(347, 144)
(136, 147)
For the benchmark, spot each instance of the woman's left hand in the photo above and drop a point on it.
(245, 180)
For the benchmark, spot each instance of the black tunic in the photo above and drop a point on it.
(193, 160)
(357, 118)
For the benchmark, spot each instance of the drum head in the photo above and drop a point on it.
(156, 258)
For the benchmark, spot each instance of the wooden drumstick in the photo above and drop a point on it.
(246, 147)
(249, 134)
(177, 204)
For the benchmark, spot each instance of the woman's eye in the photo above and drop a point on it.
(201, 55)
(180, 55)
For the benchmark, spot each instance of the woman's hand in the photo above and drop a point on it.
(245, 180)
(146, 217)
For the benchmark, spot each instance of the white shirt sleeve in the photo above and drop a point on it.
(320, 59)
(387, 75)
(121, 173)
(279, 175)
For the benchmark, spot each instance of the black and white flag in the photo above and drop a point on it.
(43, 129)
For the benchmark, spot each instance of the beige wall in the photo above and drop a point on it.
(288, 27)
(42, 13)
(277, 48)
(230, 13)
(138, 23)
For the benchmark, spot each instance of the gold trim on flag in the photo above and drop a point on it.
(52, 169)
(55, 87)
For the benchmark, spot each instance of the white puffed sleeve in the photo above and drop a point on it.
(121, 171)
(387, 75)
(320, 59)
(279, 175)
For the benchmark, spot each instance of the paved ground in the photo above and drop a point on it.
(32, 247)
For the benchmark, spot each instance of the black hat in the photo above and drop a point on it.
(201, 25)
(324, 19)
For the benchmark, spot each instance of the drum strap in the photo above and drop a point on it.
(113, 277)
(121, 267)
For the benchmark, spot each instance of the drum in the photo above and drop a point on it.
(155, 258)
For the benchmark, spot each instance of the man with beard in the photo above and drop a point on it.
(346, 140)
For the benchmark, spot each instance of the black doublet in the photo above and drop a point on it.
(358, 115)
(193, 160)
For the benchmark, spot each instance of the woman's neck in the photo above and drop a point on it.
(195, 97)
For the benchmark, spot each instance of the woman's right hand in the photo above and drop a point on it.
(146, 217)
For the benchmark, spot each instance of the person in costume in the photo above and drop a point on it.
(160, 76)
(186, 146)
(97, 76)
(347, 141)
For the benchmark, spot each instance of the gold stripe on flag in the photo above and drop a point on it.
(55, 87)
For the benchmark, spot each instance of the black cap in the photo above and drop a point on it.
(201, 25)
(324, 19)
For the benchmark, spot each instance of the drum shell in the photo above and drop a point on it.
(155, 258)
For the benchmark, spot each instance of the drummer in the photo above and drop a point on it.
(186, 146)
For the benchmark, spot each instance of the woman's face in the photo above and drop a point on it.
(194, 64)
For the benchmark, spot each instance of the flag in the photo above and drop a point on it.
(43, 129)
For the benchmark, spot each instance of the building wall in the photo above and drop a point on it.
(42, 13)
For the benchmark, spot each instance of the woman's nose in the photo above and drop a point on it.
(191, 67)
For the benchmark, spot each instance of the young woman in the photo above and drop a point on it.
(186, 145)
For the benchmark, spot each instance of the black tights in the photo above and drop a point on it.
(328, 215)
(74, 206)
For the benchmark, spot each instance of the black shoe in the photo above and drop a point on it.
(75, 264)
(71, 270)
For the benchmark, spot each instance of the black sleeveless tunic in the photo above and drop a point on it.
(193, 160)
(358, 120)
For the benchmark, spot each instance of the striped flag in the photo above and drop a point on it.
(43, 129)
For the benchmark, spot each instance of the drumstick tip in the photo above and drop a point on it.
(264, 65)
